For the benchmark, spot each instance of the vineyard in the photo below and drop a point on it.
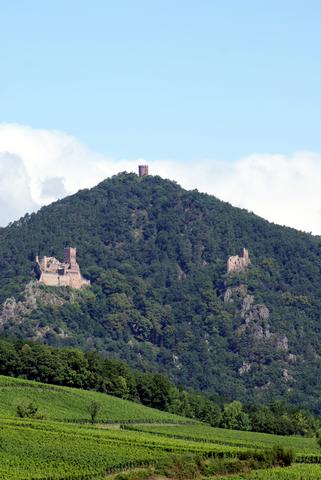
(70, 404)
(296, 472)
(303, 447)
(62, 444)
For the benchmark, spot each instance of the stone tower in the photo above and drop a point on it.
(237, 263)
(70, 258)
(142, 170)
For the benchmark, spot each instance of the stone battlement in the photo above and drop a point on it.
(237, 263)
(54, 273)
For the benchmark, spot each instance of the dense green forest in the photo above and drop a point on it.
(160, 298)
(90, 371)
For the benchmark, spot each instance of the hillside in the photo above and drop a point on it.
(71, 404)
(160, 296)
(59, 442)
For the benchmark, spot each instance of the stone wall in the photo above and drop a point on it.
(237, 263)
(53, 273)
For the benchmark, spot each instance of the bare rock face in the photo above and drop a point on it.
(252, 325)
(255, 319)
(256, 324)
(13, 310)
(234, 293)
(282, 342)
(255, 316)
(254, 313)
(245, 368)
(247, 305)
(16, 311)
(286, 375)
(237, 263)
(8, 310)
(292, 358)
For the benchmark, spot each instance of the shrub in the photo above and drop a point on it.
(180, 467)
(281, 456)
(27, 410)
(270, 457)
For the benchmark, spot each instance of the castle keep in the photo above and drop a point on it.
(142, 170)
(237, 263)
(54, 273)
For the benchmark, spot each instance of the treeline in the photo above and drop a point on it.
(90, 371)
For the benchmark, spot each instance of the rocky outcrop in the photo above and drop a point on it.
(233, 293)
(255, 318)
(286, 375)
(34, 295)
(256, 324)
(245, 368)
(282, 342)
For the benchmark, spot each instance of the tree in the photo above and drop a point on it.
(93, 410)
(234, 417)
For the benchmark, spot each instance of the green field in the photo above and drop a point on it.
(47, 450)
(302, 446)
(71, 404)
(296, 472)
(64, 445)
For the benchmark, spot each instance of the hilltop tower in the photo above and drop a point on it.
(142, 170)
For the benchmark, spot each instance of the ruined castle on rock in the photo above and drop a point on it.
(237, 263)
(54, 273)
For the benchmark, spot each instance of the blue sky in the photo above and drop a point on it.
(220, 95)
(166, 79)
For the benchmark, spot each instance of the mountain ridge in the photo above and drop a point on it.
(156, 256)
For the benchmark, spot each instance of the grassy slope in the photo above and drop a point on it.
(43, 449)
(295, 472)
(71, 404)
(300, 445)
(33, 449)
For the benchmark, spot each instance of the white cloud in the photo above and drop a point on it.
(39, 166)
(15, 195)
(53, 188)
(282, 189)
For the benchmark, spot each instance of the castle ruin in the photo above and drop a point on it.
(142, 170)
(237, 263)
(54, 273)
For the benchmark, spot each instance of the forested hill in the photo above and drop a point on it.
(160, 297)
